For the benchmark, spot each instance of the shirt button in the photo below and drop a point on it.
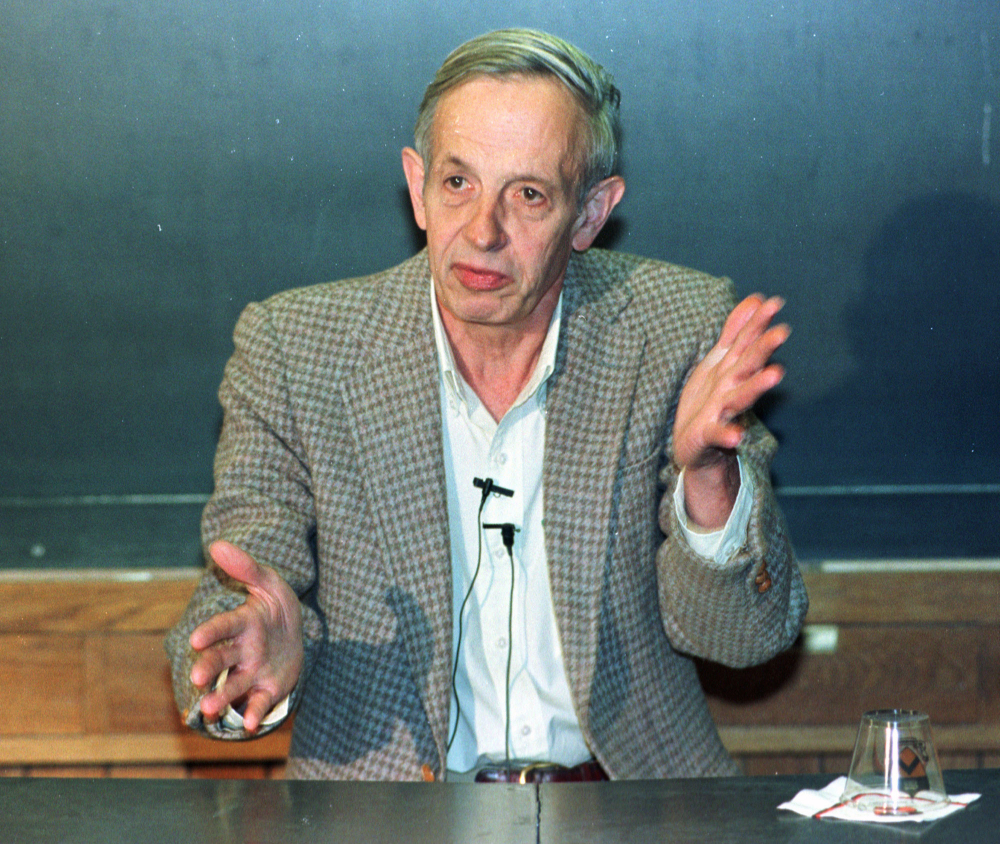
(501, 642)
(525, 730)
(500, 459)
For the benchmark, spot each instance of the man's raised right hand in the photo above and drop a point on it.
(260, 642)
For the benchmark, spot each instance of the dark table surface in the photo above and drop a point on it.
(744, 810)
(190, 811)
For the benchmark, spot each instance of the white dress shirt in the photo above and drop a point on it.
(542, 722)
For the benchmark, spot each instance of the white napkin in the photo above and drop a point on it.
(825, 804)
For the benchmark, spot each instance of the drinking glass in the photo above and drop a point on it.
(895, 768)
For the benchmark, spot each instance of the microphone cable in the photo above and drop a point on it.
(507, 531)
(487, 487)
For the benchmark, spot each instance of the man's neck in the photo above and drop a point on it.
(497, 361)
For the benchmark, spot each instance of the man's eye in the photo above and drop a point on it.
(531, 195)
(455, 182)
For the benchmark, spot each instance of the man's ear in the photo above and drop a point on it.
(413, 167)
(597, 207)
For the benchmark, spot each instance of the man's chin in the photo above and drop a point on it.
(481, 313)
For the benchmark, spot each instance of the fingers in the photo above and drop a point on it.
(747, 343)
(754, 310)
(738, 318)
(214, 703)
(259, 643)
(745, 393)
(259, 703)
(730, 379)
(235, 562)
(748, 320)
(748, 340)
(758, 332)
(256, 702)
(719, 437)
(261, 582)
(221, 643)
(216, 657)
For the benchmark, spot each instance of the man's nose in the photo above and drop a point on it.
(485, 227)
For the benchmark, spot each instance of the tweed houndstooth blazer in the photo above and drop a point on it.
(329, 469)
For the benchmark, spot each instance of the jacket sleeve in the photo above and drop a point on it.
(718, 612)
(262, 503)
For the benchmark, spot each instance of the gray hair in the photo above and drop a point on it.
(529, 52)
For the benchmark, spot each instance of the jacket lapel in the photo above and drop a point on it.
(589, 400)
(394, 401)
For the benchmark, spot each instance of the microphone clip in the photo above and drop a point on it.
(488, 487)
(507, 531)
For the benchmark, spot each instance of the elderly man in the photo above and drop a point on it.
(474, 514)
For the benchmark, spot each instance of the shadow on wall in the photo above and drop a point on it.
(922, 404)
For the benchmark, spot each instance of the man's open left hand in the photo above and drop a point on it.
(727, 382)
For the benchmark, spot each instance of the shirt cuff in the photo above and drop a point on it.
(718, 545)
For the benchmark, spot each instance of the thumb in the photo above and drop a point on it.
(235, 562)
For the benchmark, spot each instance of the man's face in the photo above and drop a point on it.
(499, 197)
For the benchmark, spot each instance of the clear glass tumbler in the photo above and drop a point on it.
(895, 768)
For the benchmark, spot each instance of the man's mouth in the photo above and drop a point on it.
(475, 278)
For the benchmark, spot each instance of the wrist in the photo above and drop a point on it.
(710, 491)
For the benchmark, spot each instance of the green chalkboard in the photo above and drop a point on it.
(162, 164)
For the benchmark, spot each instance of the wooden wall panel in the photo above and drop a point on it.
(766, 766)
(933, 669)
(42, 684)
(129, 684)
(156, 772)
(85, 685)
(69, 602)
(229, 772)
(886, 596)
(88, 771)
(835, 763)
(989, 678)
(141, 748)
